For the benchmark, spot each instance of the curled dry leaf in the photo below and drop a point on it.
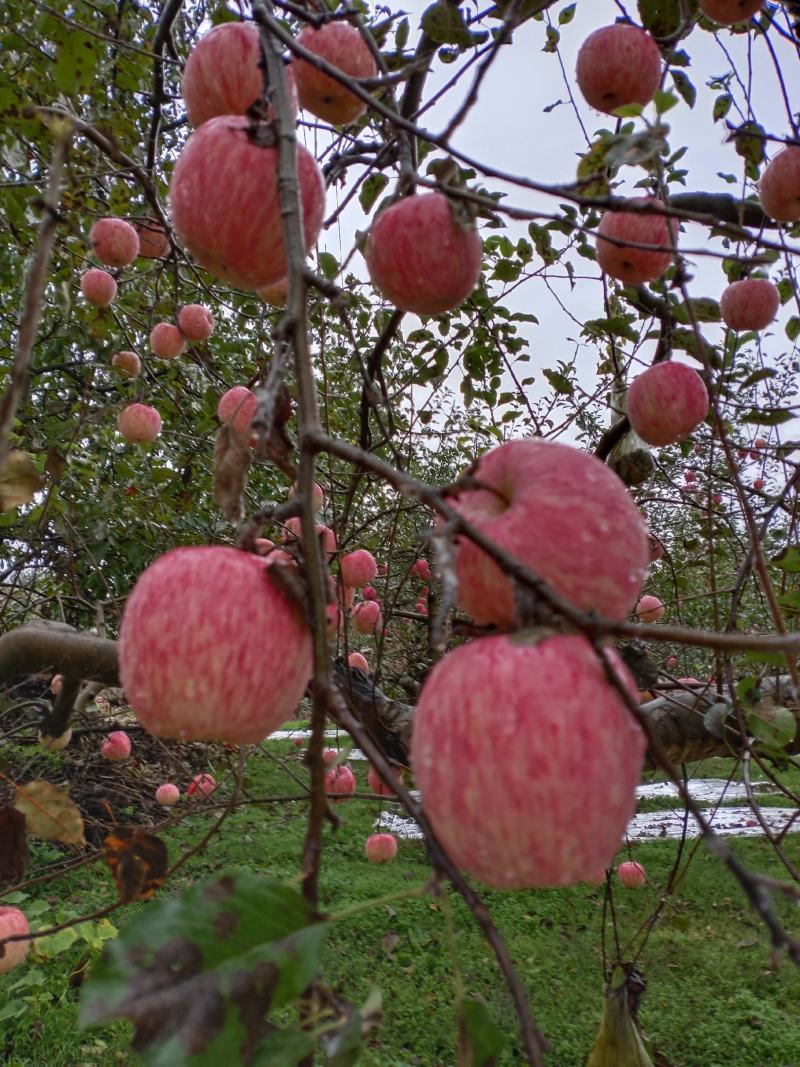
(279, 446)
(138, 862)
(13, 847)
(20, 481)
(231, 466)
(50, 813)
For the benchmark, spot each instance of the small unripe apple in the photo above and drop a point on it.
(116, 746)
(619, 231)
(377, 784)
(340, 781)
(225, 205)
(750, 304)
(203, 784)
(12, 924)
(779, 187)
(56, 744)
(560, 512)
(274, 295)
(355, 659)
(127, 363)
(380, 848)
(728, 12)
(666, 402)
(195, 322)
(341, 45)
(649, 609)
(56, 683)
(357, 568)
(533, 714)
(237, 407)
(223, 74)
(114, 242)
(167, 794)
(167, 341)
(618, 65)
(422, 256)
(631, 874)
(671, 663)
(98, 287)
(139, 423)
(366, 617)
(211, 648)
(153, 240)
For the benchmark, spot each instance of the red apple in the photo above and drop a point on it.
(618, 65)
(56, 683)
(562, 513)
(153, 240)
(759, 484)
(167, 794)
(689, 476)
(655, 547)
(671, 663)
(114, 242)
(666, 402)
(728, 12)
(340, 781)
(716, 498)
(649, 609)
(357, 568)
(760, 442)
(538, 716)
(195, 322)
(355, 659)
(421, 607)
(127, 363)
(167, 341)
(380, 848)
(223, 75)
(779, 187)
(225, 206)
(366, 617)
(204, 784)
(116, 746)
(422, 256)
(293, 528)
(620, 231)
(329, 755)
(274, 295)
(98, 287)
(377, 784)
(420, 569)
(12, 924)
(688, 681)
(750, 304)
(237, 407)
(631, 875)
(369, 592)
(139, 423)
(317, 495)
(211, 649)
(341, 45)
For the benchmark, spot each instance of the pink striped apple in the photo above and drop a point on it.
(380, 848)
(617, 65)
(12, 924)
(666, 403)
(341, 45)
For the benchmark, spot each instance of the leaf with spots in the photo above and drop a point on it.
(138, 862)
(198, 974)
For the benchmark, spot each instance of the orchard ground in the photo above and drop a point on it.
(713, 997)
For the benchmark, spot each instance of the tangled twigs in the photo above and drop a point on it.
(35, 279)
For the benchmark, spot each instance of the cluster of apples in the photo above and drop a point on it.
(421, 254)
(620, 65)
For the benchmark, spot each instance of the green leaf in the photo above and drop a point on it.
(480, 1040)
(793, 328)
(684, 87)
(722, 106)
(283, 1048)
(202, 970)
(772, 725)
(371, 190)
(661, 18)
(788, 560)
(444, 24)
(328, 264)
(559, 382)
(567, 14)
(13, 1009)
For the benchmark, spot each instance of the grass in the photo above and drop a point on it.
(713, 997)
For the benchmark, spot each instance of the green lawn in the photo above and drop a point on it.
(712, 997)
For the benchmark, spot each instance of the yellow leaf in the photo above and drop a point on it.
(49, 813)
(19, 481)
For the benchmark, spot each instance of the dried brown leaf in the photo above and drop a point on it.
(279, 446)
(13, 847)
(232, 455)
(49, 813)
(20, 481)
(138, 862)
